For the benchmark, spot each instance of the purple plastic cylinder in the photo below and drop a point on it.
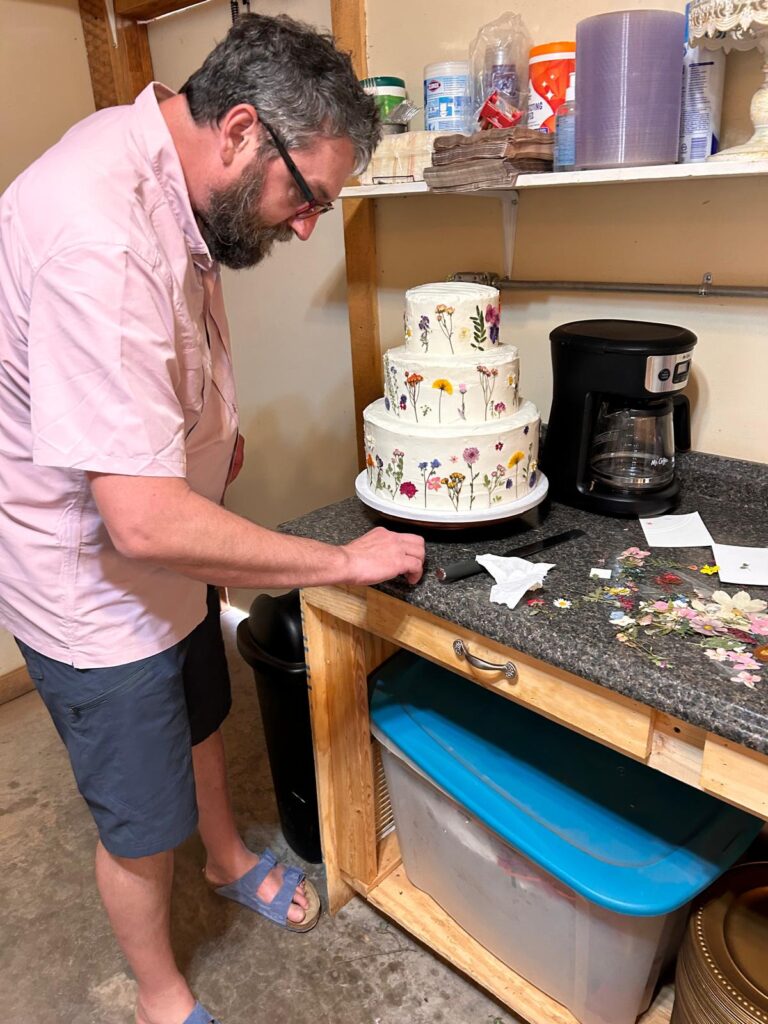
(628, 88)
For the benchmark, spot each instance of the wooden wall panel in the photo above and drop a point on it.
(118, 73)
(349, 28)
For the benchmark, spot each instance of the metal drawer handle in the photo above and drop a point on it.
(461, 650)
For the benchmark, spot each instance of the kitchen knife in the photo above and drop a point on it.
(470, 567)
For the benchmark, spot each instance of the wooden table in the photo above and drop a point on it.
(348, 632)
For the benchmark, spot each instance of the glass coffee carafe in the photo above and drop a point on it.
(633, 444)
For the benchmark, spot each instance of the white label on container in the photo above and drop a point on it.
(446, 103)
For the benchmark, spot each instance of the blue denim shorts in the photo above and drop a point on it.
(129, 732)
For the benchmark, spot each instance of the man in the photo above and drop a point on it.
(118, 435)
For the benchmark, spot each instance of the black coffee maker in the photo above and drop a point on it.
(618, 415)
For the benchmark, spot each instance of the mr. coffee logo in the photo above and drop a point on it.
(434, 84)
(661, 461)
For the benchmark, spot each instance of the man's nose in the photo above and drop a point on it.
(303, 228)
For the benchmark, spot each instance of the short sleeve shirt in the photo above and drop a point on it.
(114, 358)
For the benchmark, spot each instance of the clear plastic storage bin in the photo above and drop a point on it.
(572, 864)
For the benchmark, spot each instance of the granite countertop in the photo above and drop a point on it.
(671, 672)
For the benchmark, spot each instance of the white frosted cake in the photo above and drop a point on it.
(452, 433)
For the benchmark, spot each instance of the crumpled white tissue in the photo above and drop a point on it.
(514, 577)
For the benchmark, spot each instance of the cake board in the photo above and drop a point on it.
(449, 520)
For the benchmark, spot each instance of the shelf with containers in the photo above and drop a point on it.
(606, 176)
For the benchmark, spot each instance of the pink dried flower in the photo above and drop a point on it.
(707, 626)
(747, 678)
(743, 659)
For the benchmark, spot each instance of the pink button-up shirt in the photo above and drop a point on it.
(114, 358)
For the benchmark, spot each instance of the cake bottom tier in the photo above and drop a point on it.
(465, 469)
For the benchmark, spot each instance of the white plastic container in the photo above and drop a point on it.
(601, 965)
(702, 105)
(446, 96)
(550, 66)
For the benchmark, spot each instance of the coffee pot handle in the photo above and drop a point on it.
(681, 421)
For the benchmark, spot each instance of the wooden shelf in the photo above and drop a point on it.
(611, 176)
(427, 921)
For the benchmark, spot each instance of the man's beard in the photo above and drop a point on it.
(231, 225)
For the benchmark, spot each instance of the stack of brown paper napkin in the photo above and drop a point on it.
(488, 159)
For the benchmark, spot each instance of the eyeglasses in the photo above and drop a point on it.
(313, 207)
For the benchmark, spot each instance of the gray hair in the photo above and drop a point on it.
(294, 76)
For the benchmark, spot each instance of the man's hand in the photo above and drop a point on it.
(381, 554)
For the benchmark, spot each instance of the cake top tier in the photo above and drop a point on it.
(451, 317)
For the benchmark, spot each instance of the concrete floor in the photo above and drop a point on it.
(60, 965)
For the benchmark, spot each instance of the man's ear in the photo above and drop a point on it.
(239, 133)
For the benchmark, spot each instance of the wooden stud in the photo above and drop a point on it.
(363, 308)
(338, 686)
(349, 28)
(677, 749)
(350, 31)
(118, 73)
(735, 774)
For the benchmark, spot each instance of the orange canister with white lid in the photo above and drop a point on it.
(549, 70)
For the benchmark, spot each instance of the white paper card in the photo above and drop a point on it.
(514, 577)
(686, 531)
(601, 574)
(741, 565)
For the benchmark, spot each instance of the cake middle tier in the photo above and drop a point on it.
(452, 468)
(445, 390)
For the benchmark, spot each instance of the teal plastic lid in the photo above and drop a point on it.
(379, 80)
(616, 831)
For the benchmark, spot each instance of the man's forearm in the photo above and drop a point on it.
(161, 520)
(205, 541)
(257, 557)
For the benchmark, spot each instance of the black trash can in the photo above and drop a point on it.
(271, 641)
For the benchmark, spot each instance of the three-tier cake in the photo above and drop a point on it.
(452, 433)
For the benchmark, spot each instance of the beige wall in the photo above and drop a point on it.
(288, 320)
(44, 89)
(44, 82)
(671, 232)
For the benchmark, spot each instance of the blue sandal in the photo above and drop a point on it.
(245, 890)
(200, 1015)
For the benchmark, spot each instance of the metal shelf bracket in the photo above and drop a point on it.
(509, 224)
